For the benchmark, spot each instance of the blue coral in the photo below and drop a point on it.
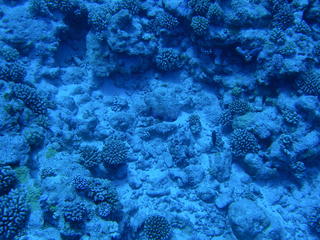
(80, 183)
(99, 18)
(75, 212)
(114, 153)
(195, 124)
(133, 6)
(215, 14)
(314, 220)
(13, 214)
(225, 118)
(166, 20)
(12, 72)
(243, 142)
(199, 6)
(200, 25)
(290, 116)
(283, 15)
(8, 53)
(167, 59)
(302, 27)
(34, 137)
(100, 191)
(90, 156)
(39, 8)
(309, 83)
(277, 36)
(104, 210)
(7, 179)
(238, 107)
(31, 98)
(157, 228)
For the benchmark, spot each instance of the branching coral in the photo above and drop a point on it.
(200, 25)
(167, 59)
(7, 179)
(114, 153)
(31, 98)
(157, 228)
(243, 142)
(13, 214)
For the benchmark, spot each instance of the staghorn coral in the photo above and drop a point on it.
(157, 228)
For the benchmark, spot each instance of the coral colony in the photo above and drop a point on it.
(159, 119)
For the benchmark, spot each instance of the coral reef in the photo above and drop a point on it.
(114, 153)
(200, 25)
(158, 120)
(7, 179)
(13, 72)
(75, 212)
(90, 156)
(167, 59)
(13, 214)
(31, 98)
(243, 142)
(157, 228)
